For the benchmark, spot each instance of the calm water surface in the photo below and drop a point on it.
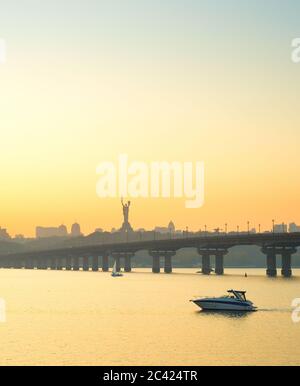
(82, 318)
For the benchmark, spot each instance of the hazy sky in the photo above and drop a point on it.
(180, 80)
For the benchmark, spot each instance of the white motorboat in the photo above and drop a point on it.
(115, 273)
(234, 301)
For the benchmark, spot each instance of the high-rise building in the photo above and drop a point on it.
(75, 230)
(171, 227)
(280, 228)
(294, 228)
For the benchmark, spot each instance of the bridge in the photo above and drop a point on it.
(97, 256)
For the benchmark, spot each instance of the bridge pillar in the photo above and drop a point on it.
(206, 266)
(75, 263)
(18, 264)
(31, 263)
(95, 265)
(287, 262)
(53, 263)
(155, 262)
(59, 265)
(86, 263)
(168, 262)
(118, 263)
(271, 261)
(219, 268)
(48, 263)
(8, 263)
(69, 263)
(105, 263)
(39, 263)
(44, 264)
(128, 263)
(28, 263)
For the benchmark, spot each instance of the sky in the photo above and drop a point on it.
(180, 80)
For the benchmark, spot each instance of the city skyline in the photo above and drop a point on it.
(76, 230)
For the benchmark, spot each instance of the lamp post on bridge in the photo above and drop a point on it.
(248, 225)
(273, 222)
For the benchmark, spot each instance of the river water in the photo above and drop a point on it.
(87, 318)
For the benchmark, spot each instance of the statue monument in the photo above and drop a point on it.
(126, 227)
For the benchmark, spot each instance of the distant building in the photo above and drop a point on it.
(75, 230)
(20, 237)
(3, 234)
(294, 228)
(169, 229)
(42, 232)
(98, 230)
(161, 230)
(280, 228)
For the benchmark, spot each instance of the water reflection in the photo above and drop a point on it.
(225, 314)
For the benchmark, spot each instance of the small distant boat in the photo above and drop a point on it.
(115, 273)
(234, 301)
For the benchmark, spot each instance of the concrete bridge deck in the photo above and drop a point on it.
(271, 244)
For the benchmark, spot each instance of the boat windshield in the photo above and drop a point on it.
(238, 295)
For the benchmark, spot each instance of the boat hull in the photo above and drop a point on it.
(222, 306)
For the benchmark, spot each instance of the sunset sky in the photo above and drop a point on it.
(174, 80)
